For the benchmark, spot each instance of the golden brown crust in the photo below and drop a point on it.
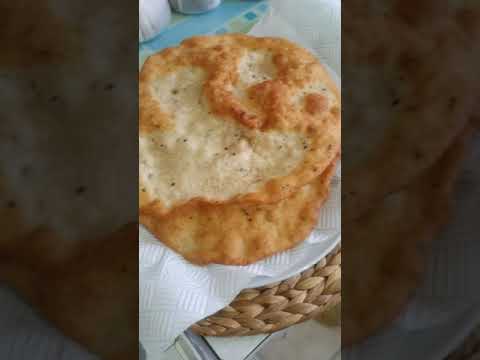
(240, 234)
(316, 104)
(295, 67)
(267, 105)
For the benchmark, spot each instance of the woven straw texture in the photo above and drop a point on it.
(279, 305)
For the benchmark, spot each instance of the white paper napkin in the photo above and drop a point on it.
(175, 294)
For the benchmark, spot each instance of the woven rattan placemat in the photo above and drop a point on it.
(292, 301)
(279, 305)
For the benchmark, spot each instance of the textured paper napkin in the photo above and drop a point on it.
(175, 294)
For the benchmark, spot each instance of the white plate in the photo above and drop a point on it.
(323, 251)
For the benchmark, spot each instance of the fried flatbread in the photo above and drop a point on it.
(233, 118)
(57, 120)
(407, 100)
(239, 234)
(91, 300)
(382, 253)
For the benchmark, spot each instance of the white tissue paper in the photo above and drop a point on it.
(175, 294)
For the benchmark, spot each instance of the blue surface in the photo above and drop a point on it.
(203, 24)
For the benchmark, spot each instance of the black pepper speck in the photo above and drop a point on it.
(418, 155)
(452, 102)
(80, 190)
(43, 52)
(25, 171)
